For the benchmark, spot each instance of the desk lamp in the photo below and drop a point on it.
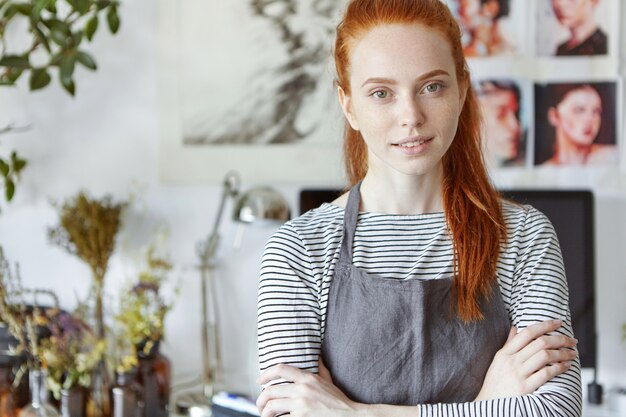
(258, 205)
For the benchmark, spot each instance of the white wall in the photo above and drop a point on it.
(106, 141)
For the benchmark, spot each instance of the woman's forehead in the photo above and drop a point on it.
(585, 95)
(391, 47)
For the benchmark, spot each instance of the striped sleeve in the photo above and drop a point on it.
(297, 268)
(289, 327)
(537, 292)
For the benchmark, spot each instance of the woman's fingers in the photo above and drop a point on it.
(546, 358)
(276, 407)
(286, 372)
(272, 393)
(303, 393)
(546, 343)
(545, 374)
(530, 333)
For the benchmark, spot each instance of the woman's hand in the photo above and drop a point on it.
(528, 360)
(308, 395)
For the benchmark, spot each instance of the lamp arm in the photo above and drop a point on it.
(206, 250)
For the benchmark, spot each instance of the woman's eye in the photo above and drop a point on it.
(433, 88)
(380, 94)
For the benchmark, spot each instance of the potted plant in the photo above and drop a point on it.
(28, 324)
(141, 322)
(70, 354)
(87, 229)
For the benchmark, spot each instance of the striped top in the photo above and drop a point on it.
(298, 265)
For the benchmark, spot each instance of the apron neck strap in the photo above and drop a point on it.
(350, 218)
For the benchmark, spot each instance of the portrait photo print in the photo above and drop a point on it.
(574, 27)
(576, 123)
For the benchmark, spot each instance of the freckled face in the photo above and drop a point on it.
(404, 97)
(579, 115)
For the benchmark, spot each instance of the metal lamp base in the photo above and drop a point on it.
(194, 404)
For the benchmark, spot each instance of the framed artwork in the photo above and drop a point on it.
(504, 104)
(576, 123)
(247, 85)
(575, 28)
(491, 28)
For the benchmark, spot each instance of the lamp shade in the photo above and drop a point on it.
(261, 204)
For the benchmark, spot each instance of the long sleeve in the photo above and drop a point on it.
(537, 292)
(297, 269)
(289, 328)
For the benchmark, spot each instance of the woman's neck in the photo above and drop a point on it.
(581, 32)
(569, 152)
(402, 194)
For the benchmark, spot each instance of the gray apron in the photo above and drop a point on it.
(399, 342)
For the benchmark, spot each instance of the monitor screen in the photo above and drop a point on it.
(572, 215)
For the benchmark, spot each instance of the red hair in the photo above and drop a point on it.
(471, 203)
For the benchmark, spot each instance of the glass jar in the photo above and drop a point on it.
(74, 402)
(155, 377)
(39, 406)
(127, 395)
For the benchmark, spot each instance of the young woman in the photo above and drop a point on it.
(576, 117)
(421, 291)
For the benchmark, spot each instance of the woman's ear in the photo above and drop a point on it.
(346, 106)
(553, 116)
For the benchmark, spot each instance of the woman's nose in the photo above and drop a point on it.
(411, 113)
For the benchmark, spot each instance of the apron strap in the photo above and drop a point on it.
(351, 215)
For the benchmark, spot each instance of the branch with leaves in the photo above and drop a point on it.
(10, 171)
(87, 229)
(57, 27)
(143, 309)
(11, 167)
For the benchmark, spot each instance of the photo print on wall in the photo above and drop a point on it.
(576, 123)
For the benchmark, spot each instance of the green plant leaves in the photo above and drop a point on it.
(24, 9)
(113, 19)
(15, 61)
(66, 70)
(4, 168)
(9, 189)
(39, 6)
(91, 27)
(59, 32)
(17, 162)
(39, 78)
(10, 172)
(86, 59)
(103, 4)
(10, 76)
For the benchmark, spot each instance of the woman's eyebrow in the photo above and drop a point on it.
(382, 80)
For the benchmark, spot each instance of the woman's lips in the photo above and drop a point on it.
(413, 146)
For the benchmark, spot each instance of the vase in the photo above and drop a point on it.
(155, 377)
(39, 406)
(74, 402)
(127, 395)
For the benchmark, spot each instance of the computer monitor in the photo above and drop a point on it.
(572, 215)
